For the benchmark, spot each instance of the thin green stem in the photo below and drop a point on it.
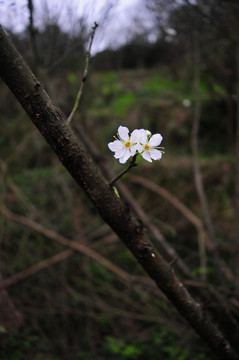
(131, 164)
(83, 80)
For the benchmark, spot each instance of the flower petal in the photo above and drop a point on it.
(155, 154)
(115, 145)
(133, 149)
(125, 157)
(123, 133)
(146, 156)
(155, 140)
(119, 154)
(134, 136)
(142, 136)
(140, 148)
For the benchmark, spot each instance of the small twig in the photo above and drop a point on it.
(32, 34)
(42, 265)
(66, 242)
(131, 164)
(87, 59)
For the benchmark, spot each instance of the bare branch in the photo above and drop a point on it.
(195, 150)
(32, 34)
(42, 265)
(202, 238)
(66, 242)
(83, 80)
(205, 240)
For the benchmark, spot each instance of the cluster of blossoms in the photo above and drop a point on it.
(139, 142)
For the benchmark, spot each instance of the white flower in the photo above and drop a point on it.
(140, 142)
(124, 146)
(149, 146)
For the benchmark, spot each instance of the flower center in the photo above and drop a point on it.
(127, 144)
(146, 147)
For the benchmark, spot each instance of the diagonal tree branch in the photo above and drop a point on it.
(52, 124)
(188, 214)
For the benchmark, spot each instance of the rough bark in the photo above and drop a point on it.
(52, 124)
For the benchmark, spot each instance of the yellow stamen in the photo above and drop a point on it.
(127, 144)
(146, 147)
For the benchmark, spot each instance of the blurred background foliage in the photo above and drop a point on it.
(76, 308)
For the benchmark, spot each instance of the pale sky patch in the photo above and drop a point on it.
(116, 18)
